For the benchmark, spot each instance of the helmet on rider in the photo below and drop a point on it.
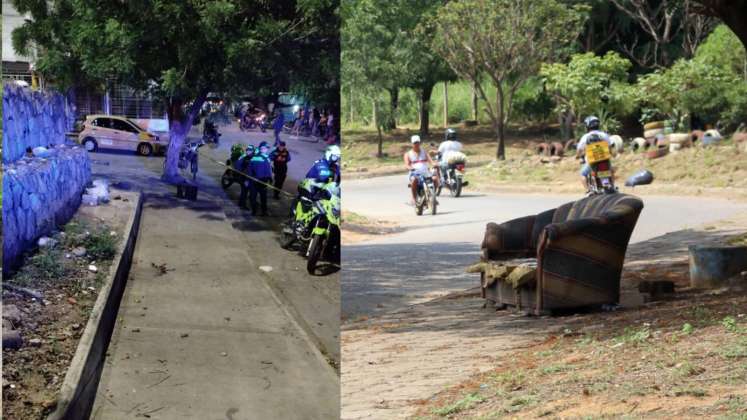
(592, 123)
(250, 150)
(415, 139)
(451, 134)
(332, 154)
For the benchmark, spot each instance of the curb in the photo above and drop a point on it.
(78, 392)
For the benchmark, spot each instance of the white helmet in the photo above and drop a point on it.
(415, 139)
(332, 154)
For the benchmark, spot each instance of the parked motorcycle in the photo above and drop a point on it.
(426, 195)
(189, 157)
(231, 176)
(314, 223)
(598, 156)
(452, 174)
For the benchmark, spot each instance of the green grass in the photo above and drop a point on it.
(98, 241)
(634, 335)
(469, 401)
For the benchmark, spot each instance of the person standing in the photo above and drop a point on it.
(297, 123)
(277, 126)
(330, 128)
(242, 165)
(260, 170)
(280, 158)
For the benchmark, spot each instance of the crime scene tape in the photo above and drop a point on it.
(229, 167)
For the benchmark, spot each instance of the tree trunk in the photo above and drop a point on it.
(446, 104)
(394, 105)
(380, 150)
(425, 105)
(566, 120)
(474, 104)
(501, 152)
(351, 117)
(179, 126)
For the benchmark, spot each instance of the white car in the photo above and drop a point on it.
(119, 133)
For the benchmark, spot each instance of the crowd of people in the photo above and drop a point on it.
(317, 123)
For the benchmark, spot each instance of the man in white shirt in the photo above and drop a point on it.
(418, 163)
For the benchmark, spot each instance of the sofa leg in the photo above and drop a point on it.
(542, 312)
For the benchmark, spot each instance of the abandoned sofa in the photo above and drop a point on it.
(568, 257)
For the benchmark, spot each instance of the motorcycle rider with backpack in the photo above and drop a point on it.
(450, 144)
(593, 133)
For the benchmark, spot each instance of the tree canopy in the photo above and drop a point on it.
(591, 84)
(188, 48)
(506, 41)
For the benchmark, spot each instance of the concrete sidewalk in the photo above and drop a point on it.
(201, 335)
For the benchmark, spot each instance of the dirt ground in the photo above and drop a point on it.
(714, 171)
(51, 327)
(358, 228)
(681, 357)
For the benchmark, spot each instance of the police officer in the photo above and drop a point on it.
(280, 158)
(242, 165)
(260, 169)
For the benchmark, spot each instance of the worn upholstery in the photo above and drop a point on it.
(580, 248)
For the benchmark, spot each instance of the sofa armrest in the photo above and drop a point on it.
(511, 239)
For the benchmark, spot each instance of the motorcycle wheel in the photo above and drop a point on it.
(458, 187)
(440, 187)
(315, 251)
(286, 238)
(226, 180)
(419, 204)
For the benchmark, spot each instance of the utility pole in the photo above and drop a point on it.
(446, 104)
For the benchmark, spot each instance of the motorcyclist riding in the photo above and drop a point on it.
(450, 144)
(592, 132)
(210, 131)
(418, 162)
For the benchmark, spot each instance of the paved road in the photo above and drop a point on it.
(428, 258)
(268, 362)
(314, 300)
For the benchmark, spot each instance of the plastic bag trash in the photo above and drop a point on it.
(42, 152)
(46, 242)
(711, 136)
(99, 193)
(643, 177)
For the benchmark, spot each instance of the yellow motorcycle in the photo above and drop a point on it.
(314, 223)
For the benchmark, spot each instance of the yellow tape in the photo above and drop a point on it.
(250, 177)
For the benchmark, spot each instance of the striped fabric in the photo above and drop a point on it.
(580, 248)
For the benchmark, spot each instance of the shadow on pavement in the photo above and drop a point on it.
(383, 277)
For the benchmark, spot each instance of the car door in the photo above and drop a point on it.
(125, 135)
(102, 132)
